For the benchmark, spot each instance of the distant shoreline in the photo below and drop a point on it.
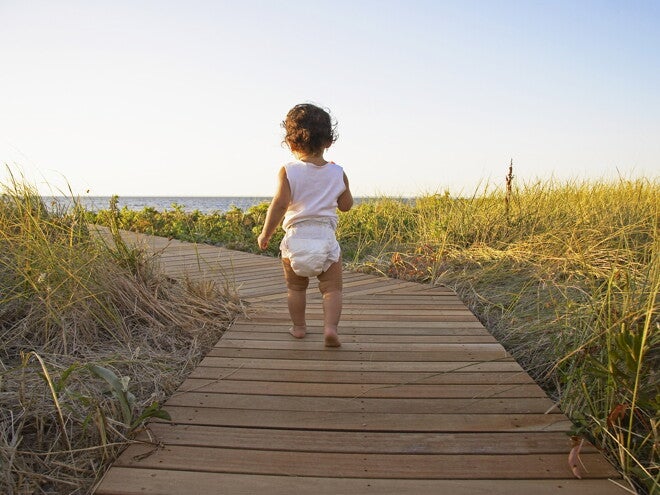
(203, 204)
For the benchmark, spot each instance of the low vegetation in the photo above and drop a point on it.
(567, 278)
(93, 338)
(566, 275)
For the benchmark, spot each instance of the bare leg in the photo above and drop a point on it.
(331, 314)
(330, 285)
(297, 301)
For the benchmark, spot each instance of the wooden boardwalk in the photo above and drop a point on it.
(419, 399)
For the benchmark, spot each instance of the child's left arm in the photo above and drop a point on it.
(345, 199)
(276, 210)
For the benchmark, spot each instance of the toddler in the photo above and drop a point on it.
(308, 194)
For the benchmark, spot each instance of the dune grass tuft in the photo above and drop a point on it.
(567, 277)
(93, 338)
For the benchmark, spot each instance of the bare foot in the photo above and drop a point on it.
(298, 332)
(331, 338)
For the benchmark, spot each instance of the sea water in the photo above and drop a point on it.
(162, 203)
(204, 204)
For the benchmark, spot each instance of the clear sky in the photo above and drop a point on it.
(186, 98)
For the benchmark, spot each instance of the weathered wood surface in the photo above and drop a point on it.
(419, 399)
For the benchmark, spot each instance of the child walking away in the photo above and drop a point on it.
(309, 192)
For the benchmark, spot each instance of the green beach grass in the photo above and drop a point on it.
(93, 339)
(565, 274)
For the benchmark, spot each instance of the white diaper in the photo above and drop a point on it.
(311, 246)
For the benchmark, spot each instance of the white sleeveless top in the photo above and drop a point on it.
(314, 192)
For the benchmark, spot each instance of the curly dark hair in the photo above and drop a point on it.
(309, 129)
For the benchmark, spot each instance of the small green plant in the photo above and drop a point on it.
(127, 401)
(234, 228)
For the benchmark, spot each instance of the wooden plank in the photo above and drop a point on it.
(126, 481)
(280, 296)
(342, 354)
(400, 297)
(260, 274)
(406, 303)
(364, 326)
(347, 346)
(282, 334)
(364, 377)
(196, 263)
(412, 391)
(312, 292)
(312, 313)
(380, 466)
(375, 288)
(361, 442)
(361, 282)
(366, 332)
(348, 421)
(237, 363)
(205, 257)
(466, 316)
(385, 314)
(537, 405)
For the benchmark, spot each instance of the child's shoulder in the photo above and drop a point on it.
(334, 165)
(338, 168)
(292, 167)
(301, 165)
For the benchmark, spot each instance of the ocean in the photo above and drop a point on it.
(162, 203)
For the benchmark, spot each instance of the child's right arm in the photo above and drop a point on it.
(276, 210)
(345, 199)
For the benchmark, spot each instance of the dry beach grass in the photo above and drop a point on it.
(566, 276)
(94, 338)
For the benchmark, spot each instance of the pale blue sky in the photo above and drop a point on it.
(185, 98)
